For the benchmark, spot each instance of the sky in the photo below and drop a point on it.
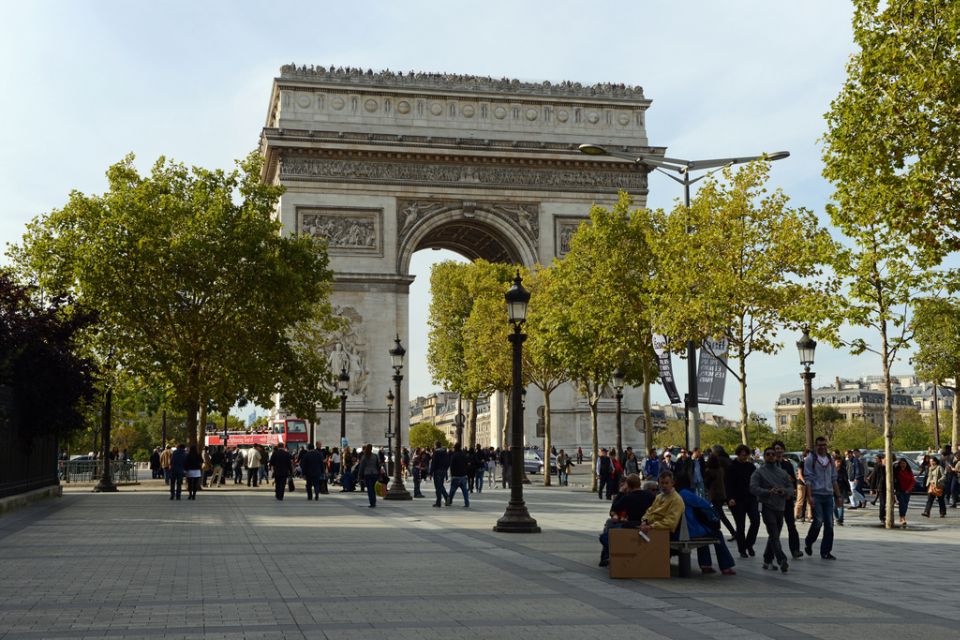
(83, 83)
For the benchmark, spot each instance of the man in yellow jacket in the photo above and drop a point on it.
(667, 508)
(165, 458)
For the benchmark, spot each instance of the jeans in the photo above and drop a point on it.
(193, 484)
(478, 480)
(371, 484)
(822, 517)
(439, 488)
(417, 478)
(313, 486)
(605, 535)
(903, 501)
(461, 482)
(176, 483)
(724, 557)
(746, 538)
(856, 498)
(253, 476)
(838, 512)
(718, 506)
(238, 475)
(773, 520)
(166, 476)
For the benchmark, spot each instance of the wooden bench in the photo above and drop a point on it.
(684, 545)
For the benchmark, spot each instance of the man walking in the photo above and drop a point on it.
(789, 519)
(604, 470)
(178, 462)
(439, 464)
(878, 484)
(253, 466)
(506, 466)
(165, 463)
(823, 494)
(282, 464)
(772, 487)
(459, 473)
(855, 479)
(311, 466)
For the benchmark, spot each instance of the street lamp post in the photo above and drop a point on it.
(517, 519)
(343, 385)
(389, 432)
(106, 484)
(397, 491)
(618, 379)
(807, 346)
(684, 168)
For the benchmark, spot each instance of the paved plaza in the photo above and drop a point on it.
(236, 563)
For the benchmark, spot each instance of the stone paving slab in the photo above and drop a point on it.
(236, 563)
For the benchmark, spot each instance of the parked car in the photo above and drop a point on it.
(533, 461)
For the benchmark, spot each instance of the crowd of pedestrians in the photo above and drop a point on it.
(767, 488)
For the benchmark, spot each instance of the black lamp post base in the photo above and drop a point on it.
(516, 519)
(397, 492)
(105, 487)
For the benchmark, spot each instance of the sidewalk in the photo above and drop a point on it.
(239, 564)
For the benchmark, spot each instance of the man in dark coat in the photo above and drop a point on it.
(311, 466)
(282, 464)
(439, 464)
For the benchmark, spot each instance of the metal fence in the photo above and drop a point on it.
(74, 471)
(27, 461)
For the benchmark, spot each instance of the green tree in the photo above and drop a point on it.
(541, 364)
(192, 281)
(424, 435)
(826, 418)
(911, 432)
(857, 434)
(894, 130)
(749, 268)
(936, 326)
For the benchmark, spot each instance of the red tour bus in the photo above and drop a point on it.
(292, 432)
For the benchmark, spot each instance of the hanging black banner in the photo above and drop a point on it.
(666, 367)
(712, 372)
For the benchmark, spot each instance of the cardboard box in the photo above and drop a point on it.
(633, 557)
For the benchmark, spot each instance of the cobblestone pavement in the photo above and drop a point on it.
(236, 563)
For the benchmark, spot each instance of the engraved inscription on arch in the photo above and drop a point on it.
(564, 227)
(348, 231)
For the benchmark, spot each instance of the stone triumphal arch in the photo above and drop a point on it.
(385, 164)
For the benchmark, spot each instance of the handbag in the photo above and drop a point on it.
(935, 490)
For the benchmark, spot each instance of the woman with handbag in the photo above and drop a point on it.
(935, 482)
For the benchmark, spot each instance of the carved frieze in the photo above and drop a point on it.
(494, 176)
(346, 230)
(564, 227)
(524, 217)
(347, 351)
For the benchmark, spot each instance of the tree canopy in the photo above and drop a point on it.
(191, 279)
(894, 130)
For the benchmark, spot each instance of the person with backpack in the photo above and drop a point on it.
(603, 471)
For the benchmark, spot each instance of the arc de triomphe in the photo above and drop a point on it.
(385, 164)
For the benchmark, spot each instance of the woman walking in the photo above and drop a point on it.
(369, 469)
(903, 482)
(935, 482)
(714, 477)
(193, 467)
(843, 485)
(743, 504)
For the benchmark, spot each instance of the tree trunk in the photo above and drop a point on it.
(887, 427)
(956, 413)
(472, 428)
(547, 469)
(744, 425)
(202, 425)
(593, 399)
(647, 414)
(505, 432)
